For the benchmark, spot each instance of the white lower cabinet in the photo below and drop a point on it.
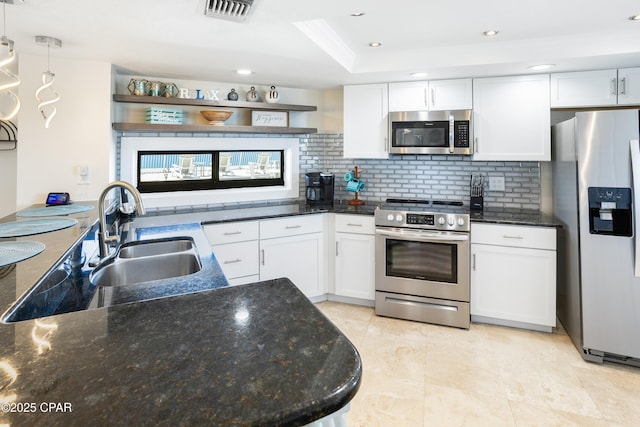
(239, 261)
(354, 257)
(513, 276)
(235, 245)
(299, 255)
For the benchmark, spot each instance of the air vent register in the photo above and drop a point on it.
(232, 10)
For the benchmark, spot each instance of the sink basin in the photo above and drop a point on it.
(127, 271)
(155, 247)
(146, 261)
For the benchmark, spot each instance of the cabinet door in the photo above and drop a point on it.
(450, 95)
(409, 96)
(629, 86)
(511, 118)
(584, 89)
(355, 271)
(238, 259)
(300, 258)
(366, 126)
(513, 284)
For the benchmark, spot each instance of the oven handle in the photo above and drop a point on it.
(423, 236)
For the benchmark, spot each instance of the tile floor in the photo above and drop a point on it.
(418, 374)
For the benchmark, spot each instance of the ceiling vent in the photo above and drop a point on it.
(232, 10)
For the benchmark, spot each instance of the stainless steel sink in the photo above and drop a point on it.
(146, 261)
(155, 247)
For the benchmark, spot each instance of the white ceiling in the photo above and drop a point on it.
(173, 38)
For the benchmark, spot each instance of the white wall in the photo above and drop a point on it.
(79, 135)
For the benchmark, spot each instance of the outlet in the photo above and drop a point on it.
(496, 183)
(84, 178)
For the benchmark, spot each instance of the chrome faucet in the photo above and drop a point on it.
(103, 234)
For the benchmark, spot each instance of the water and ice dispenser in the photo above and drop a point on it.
(610, 211)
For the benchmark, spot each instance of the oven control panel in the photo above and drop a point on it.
(422, 220)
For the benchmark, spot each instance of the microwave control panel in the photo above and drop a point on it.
(461, 134)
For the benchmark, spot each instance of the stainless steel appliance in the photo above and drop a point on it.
(596, 180)
(431, 132)
(422, 264)
(320, 187)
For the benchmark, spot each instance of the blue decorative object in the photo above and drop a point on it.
(354, 185)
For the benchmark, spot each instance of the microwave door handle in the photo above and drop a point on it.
(451, 129)
(634, 145)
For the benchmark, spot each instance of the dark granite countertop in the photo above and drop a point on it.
(258, 354)
(515, 217)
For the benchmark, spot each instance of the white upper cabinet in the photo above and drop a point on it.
(584, 89)
(511, 118)
(409, 96)
(447, 95)
(629, 86)
(434, 95)
(366, 121)
(599, 88)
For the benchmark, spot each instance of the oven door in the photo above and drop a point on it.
(431, 264)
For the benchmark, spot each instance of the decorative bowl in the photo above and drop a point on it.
(216, 117)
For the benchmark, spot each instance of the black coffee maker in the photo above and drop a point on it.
(319, 188)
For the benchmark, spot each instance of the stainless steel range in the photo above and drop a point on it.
(422, 262)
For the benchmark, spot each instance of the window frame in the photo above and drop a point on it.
(212, 183)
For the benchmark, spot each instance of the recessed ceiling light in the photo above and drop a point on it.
(357, 14)
(540, 67)
(375, 44)
(244, 72)
(419, 75)
(490, 33)
(634, 18)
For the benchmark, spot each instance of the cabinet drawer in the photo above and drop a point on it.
(357, 224)
(514, 236)
(291, 226)
(231, 232)
(238, 259)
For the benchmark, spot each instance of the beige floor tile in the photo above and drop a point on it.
(416, 374)
(385, 401)
(527, 415)
(451, 406)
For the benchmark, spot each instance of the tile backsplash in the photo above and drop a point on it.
(411, 176)
(421, 177)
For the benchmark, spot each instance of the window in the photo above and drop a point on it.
(286, 150)
(164, 171)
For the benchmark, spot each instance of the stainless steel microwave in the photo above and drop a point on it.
(431, 132)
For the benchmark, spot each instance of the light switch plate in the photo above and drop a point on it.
(496, 183)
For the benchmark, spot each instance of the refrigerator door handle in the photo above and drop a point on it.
(634, 145)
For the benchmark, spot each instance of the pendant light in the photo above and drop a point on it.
(7, 56)
(46, 106)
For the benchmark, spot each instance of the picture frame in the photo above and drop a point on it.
(270, 118)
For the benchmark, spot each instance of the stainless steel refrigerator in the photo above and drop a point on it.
(596, 159)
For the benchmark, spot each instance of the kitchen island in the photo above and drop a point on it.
(257, 354)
